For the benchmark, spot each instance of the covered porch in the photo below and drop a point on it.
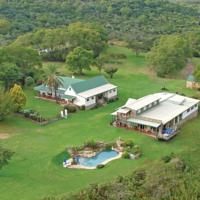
(151, 128)
(47, 94)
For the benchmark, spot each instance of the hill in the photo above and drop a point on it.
(122, 18)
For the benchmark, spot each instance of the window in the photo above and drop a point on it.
(139, 111)
(110, 91)
(88, 99)
(70, 89)
(188, 110)
(92, 97)
(114, 90)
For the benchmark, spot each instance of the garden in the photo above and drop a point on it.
(35, 170)
(96, 154)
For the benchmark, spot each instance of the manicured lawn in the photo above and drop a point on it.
(36, 170)
(47, 109)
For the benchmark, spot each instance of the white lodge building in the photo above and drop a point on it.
(83, 93)
(159, 115)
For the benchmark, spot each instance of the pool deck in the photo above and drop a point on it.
(103, 163)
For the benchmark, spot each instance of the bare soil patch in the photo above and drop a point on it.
(4, 136)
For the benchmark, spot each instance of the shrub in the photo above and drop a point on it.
(31, 114)
(126, 155)
(100, 166)
(70, 108)
(136, 150)
(166, 159)
(29, 81)
(164, 89)
(129, 143)
(27, 112)
(118, 56)
(91, 144)
(108, 146)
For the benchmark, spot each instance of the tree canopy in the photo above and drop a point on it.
(5, 105)
(9, 75)
(79, 59)
(150, 18)
(18, 97)
(169, 54)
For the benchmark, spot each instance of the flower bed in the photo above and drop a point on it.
(37, 117)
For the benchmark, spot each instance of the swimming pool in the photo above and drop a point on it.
(98, 159)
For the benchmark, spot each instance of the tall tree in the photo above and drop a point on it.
(99, 62)
(18, 97)
(197, 73)
(53, 81)
(27, 59)
(9, 75)
(5, 105)
(169, 54)
(111, 71)
(88, 36)
(79, 59)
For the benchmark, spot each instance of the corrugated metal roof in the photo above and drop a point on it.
(67, 81)
(143, 122)
(142, 102)
(89, 84)
(97, 90)
(42, 88)
(69, 97)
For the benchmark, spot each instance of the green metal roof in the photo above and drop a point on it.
(67, 81)
(42, 88)
(64, 96)
(89, 84)
(77, 84)
(190, 78)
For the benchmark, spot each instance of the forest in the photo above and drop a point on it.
(127, 19)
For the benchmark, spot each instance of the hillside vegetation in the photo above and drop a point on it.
(122, 18)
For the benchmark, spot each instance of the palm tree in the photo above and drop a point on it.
(53, 81)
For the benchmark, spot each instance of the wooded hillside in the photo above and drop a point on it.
(122, 18)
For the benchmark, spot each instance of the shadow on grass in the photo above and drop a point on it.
(58, 159)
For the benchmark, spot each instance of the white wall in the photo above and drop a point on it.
(91, 101)
(79, 101)
(186, 113)
(111, 93)
(70, 92)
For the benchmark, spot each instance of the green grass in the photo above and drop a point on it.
(36, 171)
(41, 105)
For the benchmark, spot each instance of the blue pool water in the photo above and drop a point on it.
(96, 160)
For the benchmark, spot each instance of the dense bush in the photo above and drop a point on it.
(100, 166)
(31, 114)
(91, 144)
(157, 182)
(117, 56)
(126, 155)
(70, 108)
(108, 146)
(29, 81)
(166, 159)
(129, 143)
(144, 20)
